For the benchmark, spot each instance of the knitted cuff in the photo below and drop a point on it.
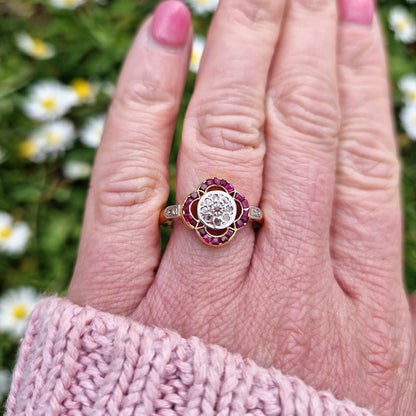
(79, 361)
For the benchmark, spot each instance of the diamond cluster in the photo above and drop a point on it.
(217, 210)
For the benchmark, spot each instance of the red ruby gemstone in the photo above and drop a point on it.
(223, 182)
(210, 182)
(245, 203)
(244, 218)
(207, 238)
(230, 233)
(224, 239)
(229, 187)
(217, 181)
(215, 241)
(188, 218)
(192, 222)
(202, 232)
(240, 223)
(203, 187)
(186, 209)
(239, 197)
(194, 195)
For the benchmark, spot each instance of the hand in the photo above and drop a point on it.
(292, 107)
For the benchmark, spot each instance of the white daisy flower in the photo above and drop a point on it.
(201, 7)
(108, 88)
(403, 24)
(75, 169)
(5, 380)
(14, 236)
(34, 47)
(85, 91)
(408, 118)
(92, 131)
(66, 4)
(48, 100)
(49, 141)
(196, 55)
(407, 85)
(16, 305)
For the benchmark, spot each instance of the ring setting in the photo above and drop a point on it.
(215, 210)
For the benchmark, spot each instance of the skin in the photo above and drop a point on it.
(299, 121)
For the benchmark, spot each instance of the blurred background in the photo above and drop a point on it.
(59, 61)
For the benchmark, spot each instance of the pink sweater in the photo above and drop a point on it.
(78, 361)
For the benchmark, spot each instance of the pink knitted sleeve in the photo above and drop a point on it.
(78, 361)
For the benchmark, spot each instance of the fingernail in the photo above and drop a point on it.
(357, 11)
(170, 24)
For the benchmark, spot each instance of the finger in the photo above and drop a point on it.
(119, 248)
(302, 125)
(222, 133)
(366, 225)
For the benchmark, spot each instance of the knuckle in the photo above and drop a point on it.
(130, 192)
(144, 98)
(365, 162)
(318, 6)
(231, 127)
(248, 12)
(307, 105)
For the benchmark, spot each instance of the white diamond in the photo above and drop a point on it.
(217, 210)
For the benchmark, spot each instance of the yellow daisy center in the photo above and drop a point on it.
(49, 104)
(39, 48)
(83, 89)
(402, 25)
(20, 311)
(412, 95)
(202, 1)
(27, 148)
(5, 232)
(195, 58)
(53, 138)
(69, 2)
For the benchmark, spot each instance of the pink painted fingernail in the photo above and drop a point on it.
(170, 24)
(357, 11)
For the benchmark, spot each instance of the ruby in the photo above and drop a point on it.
(194, 195)
(224, 239)
(217, 181)
(239, 197)
(202, 232)
(207, 239)
(188, 202)
(215, 241)
(244, 218)
(230, 233)
(187, 217)
(192, 222)
(223, 182)
(210, 182)
(245, 203)
(229, 187)
(240, 224)
(186, 209)
(203, 187)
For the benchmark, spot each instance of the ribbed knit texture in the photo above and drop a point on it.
(78, 361)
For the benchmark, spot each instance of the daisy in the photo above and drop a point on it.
(92, 131)
(201, 7)
(48, 100)
(49, 141)
(14, 236)
(84, 90)
(196, 55)
(5, 379)
(403, 24)
(66, 4)
(16, 305)
(408, 118)
(75, 169)
(407, 85)
(34, 47)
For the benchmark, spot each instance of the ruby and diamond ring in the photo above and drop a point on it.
(216, 211)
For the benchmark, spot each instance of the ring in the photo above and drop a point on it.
(216, 211)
